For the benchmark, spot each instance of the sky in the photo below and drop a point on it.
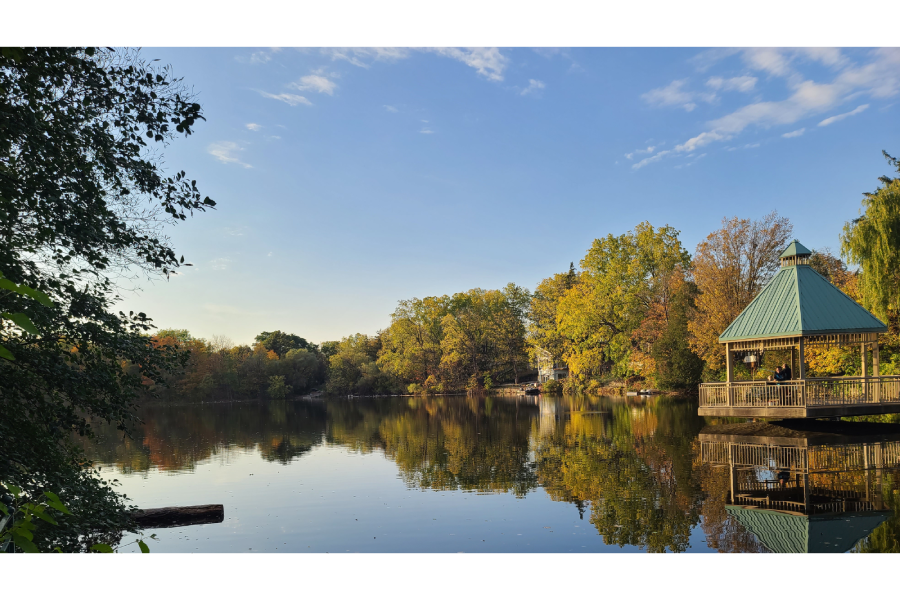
(347, 180)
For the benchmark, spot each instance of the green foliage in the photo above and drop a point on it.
(622, 278)
(873, 242)
(281, 343)
(216, 370)
(83, 198)
(278, 389)
(551, 386)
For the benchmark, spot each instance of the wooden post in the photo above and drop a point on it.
(865, 363)
(729, 377)
(801, 370)
(806, 494)
(876, 366)
(876, 370)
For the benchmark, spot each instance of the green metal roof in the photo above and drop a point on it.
(780, 532)
(795, 249)
(799, 302)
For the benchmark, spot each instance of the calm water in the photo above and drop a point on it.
(502, 475)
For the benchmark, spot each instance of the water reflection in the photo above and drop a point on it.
(639, 472)
(814, 487)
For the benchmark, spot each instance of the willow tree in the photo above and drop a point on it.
(873, 242)
(84, 200)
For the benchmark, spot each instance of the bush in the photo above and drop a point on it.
(551, 386)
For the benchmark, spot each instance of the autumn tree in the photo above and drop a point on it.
(622, 278)
(412, 344)
(543, 330)
(280, 342)
(730, 268)
(873, 242)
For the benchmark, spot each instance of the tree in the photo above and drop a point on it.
(280, 343)
(730, 268)
(621, 279)
(83, 199)
(873, 242)
(543, 330)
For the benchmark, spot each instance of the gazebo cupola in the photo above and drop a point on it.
(798, 308)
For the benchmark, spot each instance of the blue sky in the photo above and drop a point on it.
(347, 180)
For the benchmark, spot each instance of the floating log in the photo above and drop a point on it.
(179, 516)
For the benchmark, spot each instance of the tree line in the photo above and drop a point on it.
(640, 312)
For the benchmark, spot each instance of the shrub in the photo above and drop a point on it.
(551, 386)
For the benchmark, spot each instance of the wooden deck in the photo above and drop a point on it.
(802, 399)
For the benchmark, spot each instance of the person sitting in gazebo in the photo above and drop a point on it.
(778, 377)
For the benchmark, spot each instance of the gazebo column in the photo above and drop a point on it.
(729, 374)
(801, 369)
(865, 363)
(876, 372)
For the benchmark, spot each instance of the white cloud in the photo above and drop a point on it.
(220, 264)
(836, 118)
(880, 78)
(656, 157)
(256, 58)
(226, 152)
(647, 150)
(269, 254)
(316, 83)
(391, 109)
(795, 133)
(425, 130)
(744, 83)
(533, 85)
(486, 60)
(675, 94)
(291, 99)
(253, 126)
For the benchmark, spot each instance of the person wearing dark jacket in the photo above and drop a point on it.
(786, 372)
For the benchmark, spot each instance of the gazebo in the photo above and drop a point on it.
(797, 309)
(805, 491)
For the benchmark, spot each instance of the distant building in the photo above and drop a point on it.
(548, 368)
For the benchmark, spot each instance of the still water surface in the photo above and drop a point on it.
(457, 474)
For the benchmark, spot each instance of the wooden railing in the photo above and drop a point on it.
(834, 391)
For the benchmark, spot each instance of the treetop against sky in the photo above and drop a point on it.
(348, 179)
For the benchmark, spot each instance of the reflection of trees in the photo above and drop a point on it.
(723, 532)
(177, 437)
(633, 464)
(443, 443)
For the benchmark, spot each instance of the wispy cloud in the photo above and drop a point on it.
(391, 109)
(795, 133)
(879, 78)
(488, 62)
(836, 118)
(253, 126)
(676, 94)
(744, 83)
(533, 86)
(647, 150)
(315, 82)
(425, 130)
(220, 264)
(256, 58)
(291, 99)
(227, 152)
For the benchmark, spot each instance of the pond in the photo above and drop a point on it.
(504, 474)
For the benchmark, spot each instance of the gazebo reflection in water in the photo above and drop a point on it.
(818, 490)
(797, 309)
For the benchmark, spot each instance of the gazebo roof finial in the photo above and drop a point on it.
(795, 248)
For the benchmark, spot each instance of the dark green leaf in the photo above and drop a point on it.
(22, 320)
(102, 548)
(144, 548)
